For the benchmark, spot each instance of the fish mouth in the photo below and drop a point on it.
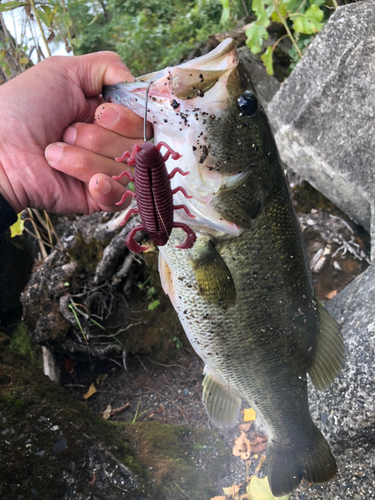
(180, 89)
(179, 101)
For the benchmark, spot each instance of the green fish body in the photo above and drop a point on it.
(243, 292)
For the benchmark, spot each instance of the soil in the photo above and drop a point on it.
(139, 388)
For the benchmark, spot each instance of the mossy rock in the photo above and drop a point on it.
(53, 446)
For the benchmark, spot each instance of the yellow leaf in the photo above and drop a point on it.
(242, 447)
(17, 228)
(24, 61)
(90, 392)
(249, 415)
(107, 412)
(259, 489)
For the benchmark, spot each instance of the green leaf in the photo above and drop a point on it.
(46, 14)
(17, 228)
(260, 11)
(294, 5)
(153, 305)
(11, 5)
(267, 60)
(101, 378)
(310, 22)
(259, 489)
(255, 36)
(317, 2)
(226, 11)
(282, 6)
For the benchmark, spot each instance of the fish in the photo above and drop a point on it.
(244, 291)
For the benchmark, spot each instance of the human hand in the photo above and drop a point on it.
(37, 107)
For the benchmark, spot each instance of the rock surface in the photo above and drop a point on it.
(347, 410)
(323, 115)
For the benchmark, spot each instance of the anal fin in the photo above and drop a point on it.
(329, 354)
(222, 405)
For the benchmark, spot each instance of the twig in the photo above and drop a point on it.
(139, 359)
(124, 359)
(168, 366)
(40, 240)
(286, 28)
(40, 26)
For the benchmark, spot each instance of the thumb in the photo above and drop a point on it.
(98, 69)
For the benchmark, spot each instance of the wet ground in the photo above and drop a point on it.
(139, 388)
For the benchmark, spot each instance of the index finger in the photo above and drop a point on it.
(121, 120)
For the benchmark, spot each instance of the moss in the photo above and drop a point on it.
(87, 255)
(166, 462)
(21, 343)
(179, 459)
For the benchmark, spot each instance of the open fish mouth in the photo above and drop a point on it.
(181, 100)
(180, 90)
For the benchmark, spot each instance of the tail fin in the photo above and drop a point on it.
(287, 465)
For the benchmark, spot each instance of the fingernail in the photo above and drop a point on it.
(108, 116)
(53, 152)
(70, 135)
(103, 186)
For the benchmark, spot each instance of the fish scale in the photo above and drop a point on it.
(244, 291)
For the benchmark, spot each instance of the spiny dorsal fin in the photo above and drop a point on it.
(222, 405)
(329, 354)
(215, 282)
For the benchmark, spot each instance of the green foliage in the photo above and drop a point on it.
(178, 342)
(299, 18)
(148, 35)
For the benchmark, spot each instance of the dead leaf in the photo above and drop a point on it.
(90, 392)
(332, 294)
(245, 427)
(70, 364)
(249, 415)
(259, 489)
(258, 442)
(117, 410)
(261, 462)
(232, 490)
(107, 412)
(242, 447)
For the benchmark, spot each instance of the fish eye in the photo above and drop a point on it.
(248, 103)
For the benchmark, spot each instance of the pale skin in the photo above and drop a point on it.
(58, 139)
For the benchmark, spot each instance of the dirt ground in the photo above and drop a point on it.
(140, 388)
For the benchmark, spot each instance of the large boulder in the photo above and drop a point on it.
(347, 410)
(323, 115)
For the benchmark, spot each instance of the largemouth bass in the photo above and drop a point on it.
(244, 291)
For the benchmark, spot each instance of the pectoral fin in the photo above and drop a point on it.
(215, 282)
(222, 405)
(330, 352)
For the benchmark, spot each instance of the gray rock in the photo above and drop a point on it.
(349, 404)
(323, 115)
